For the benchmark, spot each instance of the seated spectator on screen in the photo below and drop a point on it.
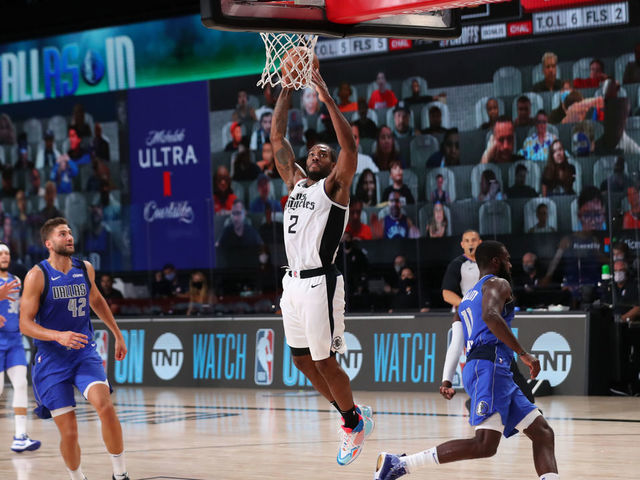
(558, 175)
(78, 122)
(557, 114)
(35, 184)
(596, 75)
(367, 127)
(536, 146)
(366, 191)
(631, 71)
(364, 161)
(401, 118)
(523, 119)
(271, 231)
(489, 187)
(520, 189)
(501, 143)
(201, 297)
(266, 162)
(550, 82)
(46, 157)
(583, 138)
(396, 224)
(397, 176)
(437, 227)
(23, 162)
(385, 152)
(49, 210)
(449, 154)
(631, 218)
(355, 227)
(264, 191)
(8, 190)
(574, 108)
(7, 130)
(493, 112)
(382, 97)
(166, 283)
(238, 234)
(416, 97)
(435, 122)
(100, 145)
(76, 151)
(344, 98)
(244, 114)
(618, 181)
(440, 194)
(542, 226)
(614, 139)
(223, 196)
(242, 166)
(63, 174)
(22, 226)
(110, 294)
(98, 240)
(591, 210)
(261, 136)
(310, 106)
(408, 298)
(236, 138)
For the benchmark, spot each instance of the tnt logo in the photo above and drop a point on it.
(351, 360)
(263, 373)
(554, 353)
(167, 356)
(101, 337)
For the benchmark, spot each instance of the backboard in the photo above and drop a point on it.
(339, 18)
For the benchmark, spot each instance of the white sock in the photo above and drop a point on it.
(117, 462)
(76, 474)
(550, 476)
(21, 425)
(426, 457)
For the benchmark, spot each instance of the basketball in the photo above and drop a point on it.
(294, 62)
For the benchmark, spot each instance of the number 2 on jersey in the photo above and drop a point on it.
(294, 222)
(76, 306)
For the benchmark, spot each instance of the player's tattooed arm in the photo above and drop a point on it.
(285, 158)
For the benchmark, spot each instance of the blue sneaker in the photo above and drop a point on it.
(24, 443)
(366, 412)
(390, 467)
(351, 443)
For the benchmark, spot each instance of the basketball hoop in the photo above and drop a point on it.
(297, 68)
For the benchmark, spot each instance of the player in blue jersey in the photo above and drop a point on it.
(55, 312)
(498, 406)
(12, 356)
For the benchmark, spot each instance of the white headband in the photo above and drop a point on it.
(4, 248)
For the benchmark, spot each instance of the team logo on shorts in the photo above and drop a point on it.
(482, 409)
(263, 373)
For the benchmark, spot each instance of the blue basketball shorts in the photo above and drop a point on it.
(12, 355)
(54, 375)
(492, 390)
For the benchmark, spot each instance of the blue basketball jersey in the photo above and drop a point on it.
(476, 332)
(64, 304)
(10, 332)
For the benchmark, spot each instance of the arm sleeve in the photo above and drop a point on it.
(453, 352)
(452, 277)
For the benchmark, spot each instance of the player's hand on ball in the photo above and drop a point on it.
(9, 289)
(320, 86)
(533, 363)
(446, 390)
(121, 349)
(72, 340)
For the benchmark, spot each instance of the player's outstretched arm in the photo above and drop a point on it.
(496, 293)
(285, 158)
(29, 305)
(451, 360)
(339, 181)
(100, 306)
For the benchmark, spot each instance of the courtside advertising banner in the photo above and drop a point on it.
(403, 353)
(171, 187)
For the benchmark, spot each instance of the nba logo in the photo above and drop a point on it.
(101, 337)
(263, 374)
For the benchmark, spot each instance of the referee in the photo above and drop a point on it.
(461, 275)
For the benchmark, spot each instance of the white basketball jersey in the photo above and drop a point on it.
(313, 226)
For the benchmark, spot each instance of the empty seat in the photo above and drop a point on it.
(577, 185)
(476, 175)
(444, 108)
(530, 218)
(405, 90)
(421, 148)
(533, 175)
(495, 218)
(33, 129)
(536, 103)
(449, 182)
(481, 110)
(76, 210)
(58, 124)
(603, 167)
(507, 81)
(581, 67)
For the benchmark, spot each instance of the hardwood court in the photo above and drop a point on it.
(216, 434)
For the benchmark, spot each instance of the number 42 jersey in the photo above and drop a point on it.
(313, 226)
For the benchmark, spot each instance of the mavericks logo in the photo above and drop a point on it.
(554, 353)
(167, 356)
(181, 211)
(350, 355)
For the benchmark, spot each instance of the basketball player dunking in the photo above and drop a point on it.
(315, 218)
(498, 406)
(55, 312)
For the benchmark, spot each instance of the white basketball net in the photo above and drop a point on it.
(299, 72)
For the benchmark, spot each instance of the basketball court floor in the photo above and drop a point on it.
(218, 434)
